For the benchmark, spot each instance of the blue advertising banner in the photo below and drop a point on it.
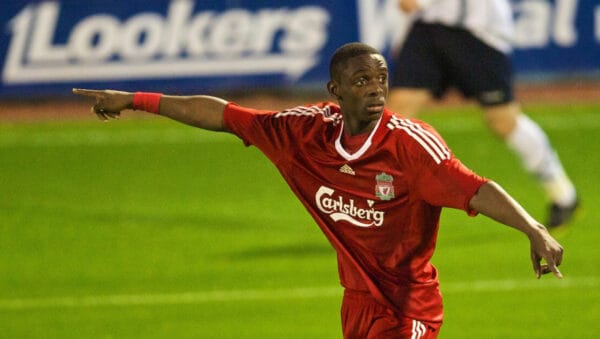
(187, 46)
(557, 38)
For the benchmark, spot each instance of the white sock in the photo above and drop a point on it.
(531, 144)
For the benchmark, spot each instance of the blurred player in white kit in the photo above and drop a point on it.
(466, 44)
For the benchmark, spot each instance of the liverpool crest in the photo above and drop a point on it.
(384, 189)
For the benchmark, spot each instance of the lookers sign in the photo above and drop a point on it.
(180, 43)
(71, 41)
(185, 45)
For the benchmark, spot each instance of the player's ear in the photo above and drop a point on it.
(332, 87)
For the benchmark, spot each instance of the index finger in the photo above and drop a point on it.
(556, 272)
(554, 269)
(87, 92)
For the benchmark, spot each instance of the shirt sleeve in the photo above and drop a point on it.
(256, 127)
(438, 177)
(279, 134)
(451, 184)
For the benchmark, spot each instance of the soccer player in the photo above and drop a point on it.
(374, 182)
(466, 44)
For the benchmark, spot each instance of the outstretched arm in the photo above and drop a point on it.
(201, 111)
(491, 200)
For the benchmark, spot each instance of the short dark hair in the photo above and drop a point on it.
(345, 52)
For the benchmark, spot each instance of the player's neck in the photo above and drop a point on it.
(354, 128)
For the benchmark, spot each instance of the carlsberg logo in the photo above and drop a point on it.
(151, 45)
(340, 209)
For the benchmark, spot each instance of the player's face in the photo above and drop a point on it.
(362, 90)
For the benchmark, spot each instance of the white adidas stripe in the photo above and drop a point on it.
(427, 140)
(418, 329)
(436, 142)
(434, 154)
(425, 146)
(303, 111)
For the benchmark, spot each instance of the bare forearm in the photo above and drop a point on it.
(201, 111)
(492, 201)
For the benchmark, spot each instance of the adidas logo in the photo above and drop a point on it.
(347, 169)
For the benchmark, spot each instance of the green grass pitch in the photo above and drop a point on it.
(144, 228)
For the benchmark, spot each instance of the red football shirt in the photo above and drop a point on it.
(378, 206)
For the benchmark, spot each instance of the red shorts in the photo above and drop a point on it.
(365, 318)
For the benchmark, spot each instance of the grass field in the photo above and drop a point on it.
(143, 228)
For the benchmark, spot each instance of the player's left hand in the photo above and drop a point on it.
(544, 246)
(109, 103)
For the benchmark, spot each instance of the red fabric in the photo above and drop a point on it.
(363, 317)
(146, 101)
(379, 207)
(353, 142)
